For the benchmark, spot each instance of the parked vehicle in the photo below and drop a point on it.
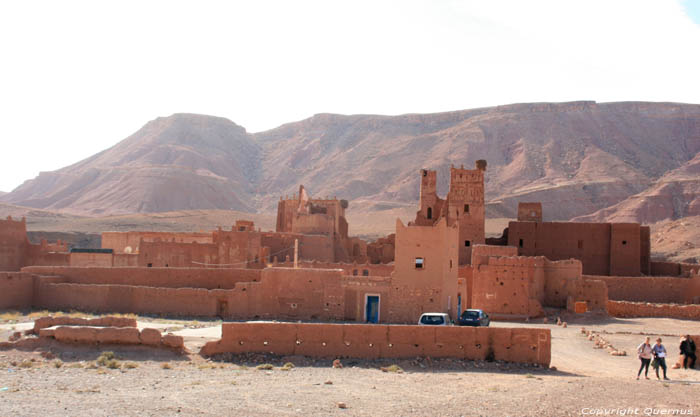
(474, 317)
(435, 319)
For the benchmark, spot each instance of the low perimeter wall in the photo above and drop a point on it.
(632, 309)
(372, 341)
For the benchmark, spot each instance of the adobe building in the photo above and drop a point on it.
(511, 286)
(619, 249)
(16, 251)
(464, 205)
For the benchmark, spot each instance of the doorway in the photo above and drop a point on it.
(222, 308)
(371, 308)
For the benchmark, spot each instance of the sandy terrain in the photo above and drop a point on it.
(190, 385)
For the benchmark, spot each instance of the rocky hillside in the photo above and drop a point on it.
(183, 161)
(577, 158)
(673, 196)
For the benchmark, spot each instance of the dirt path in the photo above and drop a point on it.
(586, 380)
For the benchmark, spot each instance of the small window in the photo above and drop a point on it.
(241, 228)
(624, 242)
(430, 213)
(450, 263)
(419, 263)
(150, 265)
(533, 214)
(580, 244)
(466, 208)
(365, 272)
(520, 243)
(354, 272)
(467, 243)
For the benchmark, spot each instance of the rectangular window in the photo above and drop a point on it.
(624, 242)
(419, 263)
(520, 243)
(467, 243)
(580, 244)
(466, 208)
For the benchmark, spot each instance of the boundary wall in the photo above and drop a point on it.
(652, 289)
(626, 309)
(384, 341)
(206, 278)
(16, 290)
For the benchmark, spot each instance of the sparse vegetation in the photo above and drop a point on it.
(287, 366)
(166, 365)
(75, 365)
(104, 358)
(265, 367)
(131, 365)
(58, 363)
(10, 316)
(392, 368)
(114, 364)
(26, 364)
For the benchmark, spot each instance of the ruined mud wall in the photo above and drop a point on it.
(119, 241)
(561, 279)
(509, 285)
(274, 293)
(13, 244)
(674, 269)
(16, 290)
(384, 341)
(217, 278)
(87, 259)
(177, 255)
(651, 289)
(634, 309)
(377, 270)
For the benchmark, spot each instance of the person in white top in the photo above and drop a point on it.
(660, 354)
(644, 350)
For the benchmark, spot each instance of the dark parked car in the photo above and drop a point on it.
(474, 317)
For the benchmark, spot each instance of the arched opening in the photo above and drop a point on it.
(430, 213)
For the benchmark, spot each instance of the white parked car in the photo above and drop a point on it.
(435, 319)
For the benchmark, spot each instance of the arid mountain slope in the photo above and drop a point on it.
(577, 158)
(184, 161)
(673, 196)
(677, 240)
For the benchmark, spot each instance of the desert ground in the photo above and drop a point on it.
(61, 379)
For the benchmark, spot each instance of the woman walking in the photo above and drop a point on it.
(644, 351)
(660, 355)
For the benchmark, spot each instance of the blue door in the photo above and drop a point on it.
(372, 309)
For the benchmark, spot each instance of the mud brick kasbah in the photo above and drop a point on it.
(311, 269)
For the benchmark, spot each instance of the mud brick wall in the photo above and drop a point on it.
(632, 309)
(16, 290)
(384, 341)
(214, 278)
(651, 289)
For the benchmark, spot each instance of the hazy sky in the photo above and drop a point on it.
(77, 77)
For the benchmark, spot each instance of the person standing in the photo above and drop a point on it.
(644, 351)
(688, 352)
(659, 352)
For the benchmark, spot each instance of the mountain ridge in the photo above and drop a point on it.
(578, 158)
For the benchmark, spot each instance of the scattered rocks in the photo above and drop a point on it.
(342, 405)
